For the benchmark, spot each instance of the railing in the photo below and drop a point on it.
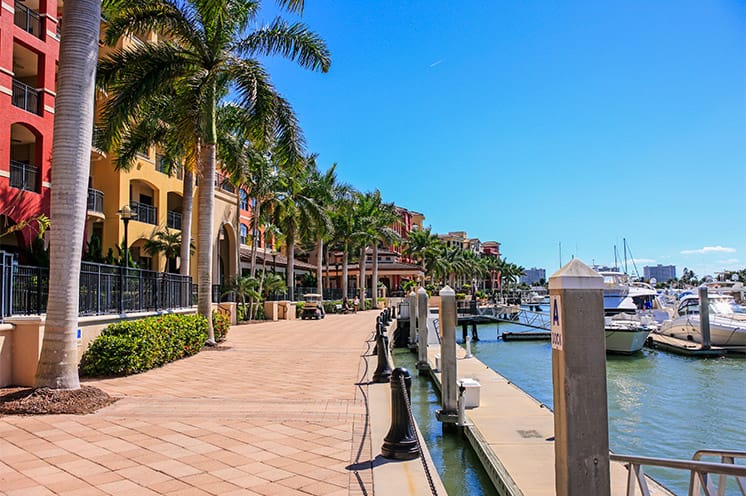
(145, 213)
(95, 200)
(700, 480)
(101, 290)
(224, 183)
(27, 19)
(221, 292)
(24, 176)
(6, 285)
(173, 219)
(26, 97)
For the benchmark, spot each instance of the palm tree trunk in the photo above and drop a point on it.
(290, 266)
(73, 128)
(361, 265)
(206, 223)
(320, 267)
(187, 203)
(374, 283)
(345, 259)
(254, 241)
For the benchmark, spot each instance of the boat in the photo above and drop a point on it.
(627, 333)
(727, 321)
(628, 312)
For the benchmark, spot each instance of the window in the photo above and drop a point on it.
(244, 200)
(244, 233)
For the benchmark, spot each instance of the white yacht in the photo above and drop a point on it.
(727, 321)
(628, 308)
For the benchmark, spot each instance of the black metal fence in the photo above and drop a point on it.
(25, 289)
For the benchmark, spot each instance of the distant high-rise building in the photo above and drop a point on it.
(661, 273)
(533, 276)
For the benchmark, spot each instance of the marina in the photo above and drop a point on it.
(660, 404)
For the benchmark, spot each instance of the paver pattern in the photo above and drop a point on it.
(278, 409)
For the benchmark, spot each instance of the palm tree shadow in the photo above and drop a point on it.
(369, 464)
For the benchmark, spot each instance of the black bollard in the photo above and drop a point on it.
(393, 312)
(383, 371)
(401, 441)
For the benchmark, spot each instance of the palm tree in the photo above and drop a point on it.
(245, 287)
(73, 128)
(167, 242)
(343, 220)
(325, 189)
(295, 206)
(204, 48)
(381, 218)
(423, 246)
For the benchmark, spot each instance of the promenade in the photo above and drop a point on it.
(280, 408)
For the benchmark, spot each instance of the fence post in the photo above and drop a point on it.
(581, 422)
(38, 290)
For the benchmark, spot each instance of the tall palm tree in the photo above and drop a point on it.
(343, 220)
(205, 46)
(382, 218)
(296, 206)
(73, 128)
(423, 246)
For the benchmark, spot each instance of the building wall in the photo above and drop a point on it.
(30, 58)
(661, 273)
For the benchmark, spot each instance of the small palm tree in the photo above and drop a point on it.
(244, 287)
(166, 242)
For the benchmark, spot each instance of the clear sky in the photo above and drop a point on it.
(535, 123)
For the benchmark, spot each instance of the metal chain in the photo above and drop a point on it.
(417, 438)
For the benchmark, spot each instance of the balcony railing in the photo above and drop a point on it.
(224, 183)
(26, 97)
(24, 176)
(95, 200)
(27, 19)
(145, 213)
(173, 219)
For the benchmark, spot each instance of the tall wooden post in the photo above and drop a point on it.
(449, 393)
(581, 425)
(422, 332)
(412, 299)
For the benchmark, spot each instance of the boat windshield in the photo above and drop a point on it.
(725, 307)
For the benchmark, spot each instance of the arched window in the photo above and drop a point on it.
(244, 200)
(244, 233)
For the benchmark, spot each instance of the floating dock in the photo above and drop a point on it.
(682, 346)
(513, 434)
(526, 336)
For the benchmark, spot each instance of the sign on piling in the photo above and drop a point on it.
(581, 424)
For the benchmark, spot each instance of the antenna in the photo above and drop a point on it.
(624, 240)
(616, 261)
(560, 253)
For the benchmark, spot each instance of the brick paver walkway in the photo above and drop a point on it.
(274, 410)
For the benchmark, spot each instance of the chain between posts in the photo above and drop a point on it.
(417, 437)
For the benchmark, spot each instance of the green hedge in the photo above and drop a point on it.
(134, 346)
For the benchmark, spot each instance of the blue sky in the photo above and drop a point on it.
(535, 123)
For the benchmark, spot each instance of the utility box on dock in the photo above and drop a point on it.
(471, 392)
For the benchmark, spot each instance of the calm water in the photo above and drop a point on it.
(660, 404)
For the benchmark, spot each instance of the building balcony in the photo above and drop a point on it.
(24, 176)
(95, 203)
(145, 213)
(27, 19)
(224, 183)
(26, 97)
(173, 219)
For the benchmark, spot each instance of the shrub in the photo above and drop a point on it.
(134, 346)
(220, 325)
(460, 296)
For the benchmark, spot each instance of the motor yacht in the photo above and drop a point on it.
(727, 321)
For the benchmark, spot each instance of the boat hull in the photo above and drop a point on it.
(626, 341)
(723, 332)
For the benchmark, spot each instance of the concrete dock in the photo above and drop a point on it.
(279, 408)
(513, 434)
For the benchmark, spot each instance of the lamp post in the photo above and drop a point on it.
(127, 214)
(336, 274)
(274, 262)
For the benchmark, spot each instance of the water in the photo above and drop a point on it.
(660, 404)
(459, 468)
